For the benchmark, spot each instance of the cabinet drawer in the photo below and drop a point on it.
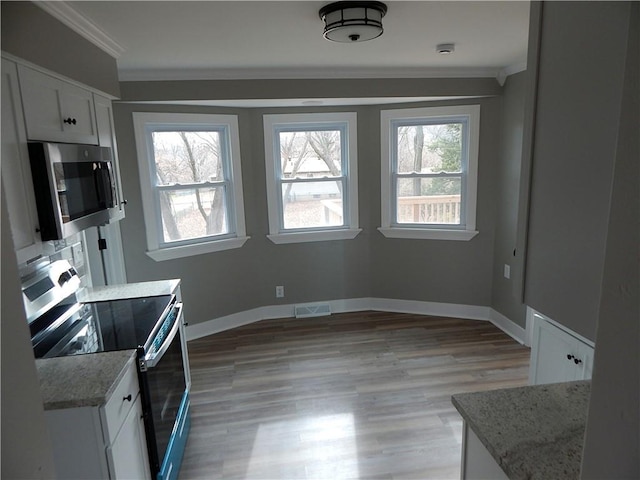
(117, 407)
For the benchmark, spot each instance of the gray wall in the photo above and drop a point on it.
(580, 80)
(227, 282)
(195, 90)
(612, 445)
(32, 34)
(436, 270)
(26, 449)
(503, 296)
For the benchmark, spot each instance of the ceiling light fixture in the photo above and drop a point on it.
(350, 22)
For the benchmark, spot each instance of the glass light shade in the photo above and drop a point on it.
(350, 22)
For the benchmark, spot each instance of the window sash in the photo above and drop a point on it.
(342, 127)
(345, 212)
(199, 239)
(395, 125)
(226, 183)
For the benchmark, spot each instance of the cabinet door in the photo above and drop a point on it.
(16, 172)
(107, 138)
(107, 265)
(477, 462)
(585, 354)
(78, 115)
(550, 351)
(558, 356)
(127, 456)
(56, 111)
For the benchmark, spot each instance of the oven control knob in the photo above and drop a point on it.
(64, 278)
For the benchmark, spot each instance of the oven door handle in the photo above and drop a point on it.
(152, 358)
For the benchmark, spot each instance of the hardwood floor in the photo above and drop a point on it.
(360, 396)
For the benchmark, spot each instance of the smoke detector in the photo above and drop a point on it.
(445, 48)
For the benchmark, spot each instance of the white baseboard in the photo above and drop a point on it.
(436, 309)
(509, 327)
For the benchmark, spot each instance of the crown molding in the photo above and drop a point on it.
(139, 75)
(80, 24)
(510, 70)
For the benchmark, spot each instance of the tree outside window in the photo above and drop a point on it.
(191, 183)
(429, 172)
(311, 166)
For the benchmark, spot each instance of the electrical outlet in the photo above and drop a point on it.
(279, 291)
(507, 271)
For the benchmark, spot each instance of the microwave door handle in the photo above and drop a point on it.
(152, 359)
(103, 184)
(110, 185)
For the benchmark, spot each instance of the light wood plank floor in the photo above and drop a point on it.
(352, 396)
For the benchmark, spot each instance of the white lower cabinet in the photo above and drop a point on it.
(477, 462)
(105, 441)
(557, 354)
(129, 447)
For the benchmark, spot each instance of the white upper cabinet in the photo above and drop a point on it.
(16, 172)
(107, 138)
(55, 110)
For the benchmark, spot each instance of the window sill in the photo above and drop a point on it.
(196, 249)
(428, 234)
(317, 236)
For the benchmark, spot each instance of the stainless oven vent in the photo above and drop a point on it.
(312, 310)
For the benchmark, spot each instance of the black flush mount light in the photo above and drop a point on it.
(351, 22)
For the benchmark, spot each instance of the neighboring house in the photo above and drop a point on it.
(577, 259)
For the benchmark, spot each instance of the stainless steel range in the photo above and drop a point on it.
(61, 325)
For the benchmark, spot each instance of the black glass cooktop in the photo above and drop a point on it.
(103, 327)
(128, 323)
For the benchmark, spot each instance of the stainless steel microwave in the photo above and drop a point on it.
(74, 187)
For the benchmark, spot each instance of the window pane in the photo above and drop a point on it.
(193, 213)
(430, 148)
(310, 154)
(428, 200)
(312, 204)
(187, 157)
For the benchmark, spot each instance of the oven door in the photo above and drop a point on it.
(164, 386)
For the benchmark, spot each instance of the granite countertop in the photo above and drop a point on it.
(533, 432)
(129, 290)
(81, 380)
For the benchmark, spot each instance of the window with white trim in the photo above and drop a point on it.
(191, 183)
(311, 171)
(429, 172)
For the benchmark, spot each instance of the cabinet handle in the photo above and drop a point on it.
(127, 398)
(70, 121)
(570, 357)
(577, 361)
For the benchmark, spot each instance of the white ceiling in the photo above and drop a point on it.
(263, 39)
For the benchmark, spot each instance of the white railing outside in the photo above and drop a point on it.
(439, 209)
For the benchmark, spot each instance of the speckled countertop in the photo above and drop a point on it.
(128, 290)
(533, 432)
(81, 380)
